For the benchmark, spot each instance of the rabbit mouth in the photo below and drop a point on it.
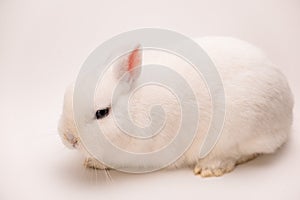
(72, 140)
(75, 144)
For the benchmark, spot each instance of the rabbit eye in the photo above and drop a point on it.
(102, 113)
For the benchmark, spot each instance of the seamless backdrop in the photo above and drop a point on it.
(44, 43)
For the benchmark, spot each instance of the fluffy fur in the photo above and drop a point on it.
(259, 107)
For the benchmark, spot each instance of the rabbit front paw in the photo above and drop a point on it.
(213, 167)
(94, 163)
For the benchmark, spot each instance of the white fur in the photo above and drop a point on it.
(259, 107)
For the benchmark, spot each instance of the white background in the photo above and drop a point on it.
(44, 43)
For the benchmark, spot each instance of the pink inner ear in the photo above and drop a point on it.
(134, 59)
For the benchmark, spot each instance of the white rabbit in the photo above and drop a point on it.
(259, 106)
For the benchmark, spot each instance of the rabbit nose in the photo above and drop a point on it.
(69, 136)
(72, 139)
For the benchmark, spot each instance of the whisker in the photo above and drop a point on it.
(95, 170)
(106, 171)
(83, 172)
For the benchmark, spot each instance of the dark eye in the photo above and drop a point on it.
(102, 113)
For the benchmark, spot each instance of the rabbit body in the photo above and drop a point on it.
(258, 106)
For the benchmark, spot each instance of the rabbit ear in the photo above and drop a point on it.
(130, 63)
